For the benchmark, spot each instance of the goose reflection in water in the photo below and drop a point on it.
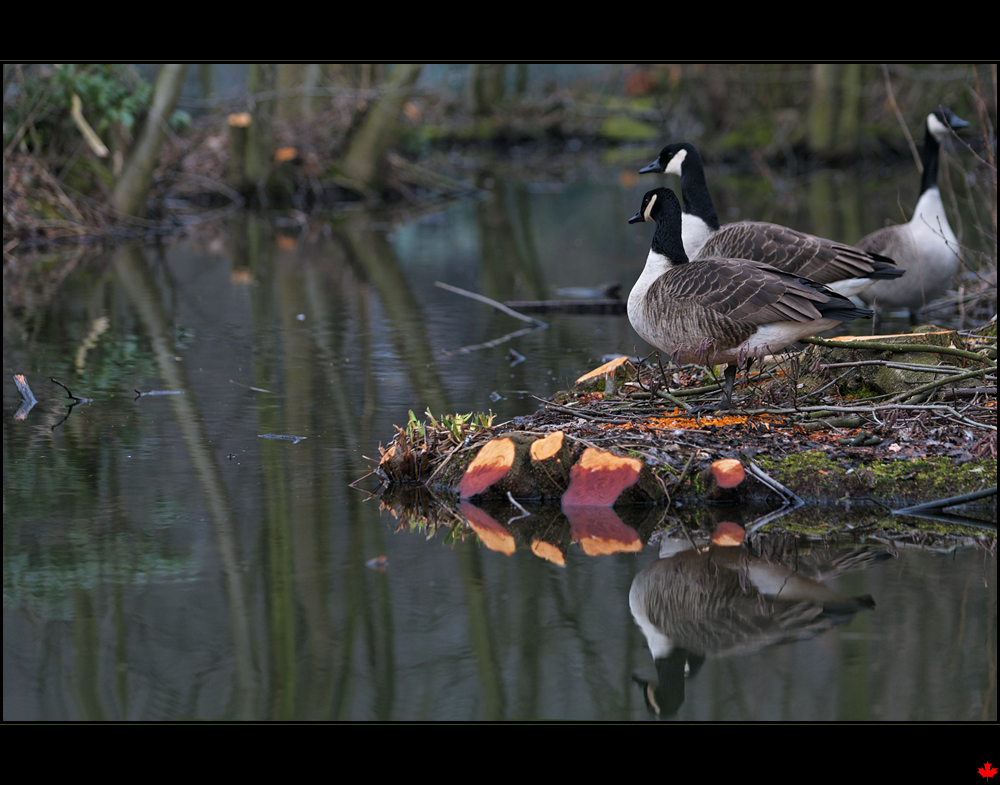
(715, 601)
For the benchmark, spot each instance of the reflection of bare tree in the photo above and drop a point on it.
(130, 266)
(375, 261)
(510, 262)
(712, 601)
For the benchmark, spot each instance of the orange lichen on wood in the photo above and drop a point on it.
(682, 421)
(728, 472)
(490, 465)
(604, 370)
(728, 534)
(543, 449)
(597, 479)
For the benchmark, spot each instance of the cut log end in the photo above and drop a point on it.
(543, 449)
(728, 472)
(488, 467)
(599, 477)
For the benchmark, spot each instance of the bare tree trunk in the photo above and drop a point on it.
(821, 108)
(486, 86)
(366, 151)
(133, 187)
(261, 81)
(849, 122)
(835, 109)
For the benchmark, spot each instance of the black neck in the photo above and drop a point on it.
(694, 190)
(932, 151)
(667, 237)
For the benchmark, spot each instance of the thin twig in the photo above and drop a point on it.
(524, 512)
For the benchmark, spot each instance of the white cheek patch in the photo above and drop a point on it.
(647, 213)
(676, 163)
(938, 129)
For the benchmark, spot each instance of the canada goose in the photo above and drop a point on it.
(842, 268)
(718, 310)
(925, 247)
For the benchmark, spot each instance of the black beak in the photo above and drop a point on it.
(656, 166)
(637, 218)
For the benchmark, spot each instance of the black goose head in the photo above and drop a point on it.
(658, 205)
(939, 124)
(662, 207)
(680, 151)
(947, 119)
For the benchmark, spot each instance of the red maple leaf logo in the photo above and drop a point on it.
(987, 771)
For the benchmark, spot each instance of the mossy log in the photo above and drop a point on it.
(877, 371)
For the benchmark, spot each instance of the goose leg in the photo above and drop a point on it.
(727, 398)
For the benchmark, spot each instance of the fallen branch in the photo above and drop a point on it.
(951, 501)
(27, 397)
(494, 303)
(931, 386)
(774, 485)
(69, 393)
(900, 348)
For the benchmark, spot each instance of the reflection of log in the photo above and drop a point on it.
(728, 534)
(528, 467)
(600, 531)
(493, 535)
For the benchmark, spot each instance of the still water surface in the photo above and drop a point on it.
(163, 561)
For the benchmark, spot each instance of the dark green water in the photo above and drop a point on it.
(163, 561)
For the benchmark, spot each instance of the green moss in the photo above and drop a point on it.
(857, 391)
(626, 129)
(636, 104)
(814, 476)
(753, 134)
